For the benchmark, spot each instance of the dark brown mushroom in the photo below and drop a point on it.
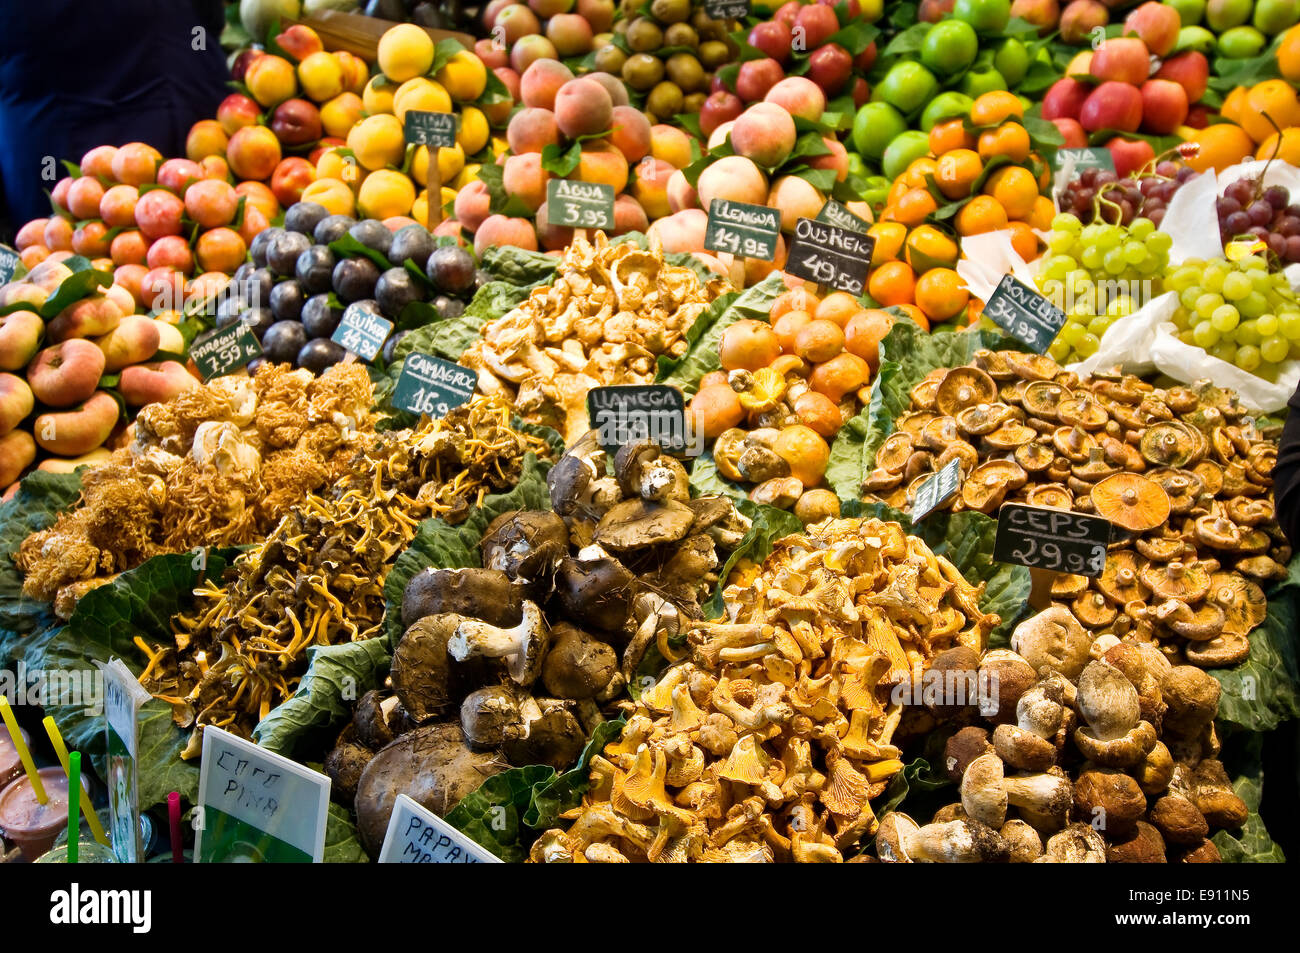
(639, 524)
(781, 492)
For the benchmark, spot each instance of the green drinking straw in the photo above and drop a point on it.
(74, 804)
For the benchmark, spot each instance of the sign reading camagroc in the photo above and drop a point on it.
(221, 352)
(739, 228)
(430, 385)
(655, 412)
(1024, 314)
(830, 255)
(579, 204)
(362, 333)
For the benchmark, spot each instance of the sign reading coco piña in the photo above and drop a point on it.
(430, 385)
(579, 204)
(362, 333)
(739, 228)
(225, 351)
(257, 807)
(418, 836)
(1054, 540)
(831, 255)
(1024, 314)
(654, 412)
(123, 696)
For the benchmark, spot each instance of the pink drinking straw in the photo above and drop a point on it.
(174, 819)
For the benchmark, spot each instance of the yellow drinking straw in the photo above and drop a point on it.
(16, 737)
(61, 750)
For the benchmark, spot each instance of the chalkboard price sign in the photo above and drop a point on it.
(1024, 314)
(936, 490)
(431, 129)
(579, 204)
(1054, 540)
(727, 9)
(739, 228)
(836, 214)
(221, 352)
(362, 332)
(9, 263)
(655, 412)
(430, 385)
(1096, 157)
(830, 255)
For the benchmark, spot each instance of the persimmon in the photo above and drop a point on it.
(714, 409)
(748, 345)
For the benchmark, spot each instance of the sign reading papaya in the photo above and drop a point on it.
(224, 351)
(430, 385)
(579, 204)
(416, 835)
(739, 228)
(431, 129)
(830, 255)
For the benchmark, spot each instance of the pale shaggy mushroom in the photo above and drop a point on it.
(1053, 640)
(523, 647)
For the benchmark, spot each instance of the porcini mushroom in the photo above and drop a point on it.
(986, 792)
(1028, 744)
(523, 647)
(1077, 844)
(1115, 736)
(1053, 639)
(1109, 800)
(901, 840)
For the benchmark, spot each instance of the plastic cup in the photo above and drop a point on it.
(11, 766)
(33, 826)
(88, 852)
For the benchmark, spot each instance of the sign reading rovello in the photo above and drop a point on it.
(1024, 314)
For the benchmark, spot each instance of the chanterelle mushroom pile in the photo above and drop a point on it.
(318, 577)
(771, 740)
(1182, 473)
(1100, 751)
(216, 466)
(611, 311)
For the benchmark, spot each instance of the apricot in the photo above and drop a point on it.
(332, 194)
(503, 230)
(131, 276)
(422, 95)
(464, 77)
(33, 233)
(405, 51)
(378, 141)
(171, 251)
(220, 249)
(84, 196)
(531, 49)
(211, 203)
(259, 195)
(271, 79)
(253, 153)
(385, 193)
(794, 198)
(733, 178)
(58, 234)
(91, 240)
(525, 179)
(321, 76)
(215, 167)
(670, 144)
(630, 132)
(601, 162)
(650, 186)
(136, 163)
(206, 138)
(33, 255)
(254, 223)
(378, 94)
(161, 289)
(532, 129)
(341, 113)
(99, 162)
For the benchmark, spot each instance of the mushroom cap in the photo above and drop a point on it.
(1114, 792)
(1073, 443)
(1107, 701)
(1202, 624)
(727, 449)
(1131, 501)
(1219, 652)
(1010, 435)
(1023, 749)
(1082, 411)
(1053, 639)
(1242, 601)
(982, 794)
(1169, 443)
(1162, 550)
(924, 392)
(893, 453)
(638, 524)
(1186, 582)
(1156, 770)
(964, 387)
(994, 363)
(630, 460)
(1041, 398)
(1192, 698)
(938, 434)
(1178, 820)
(1032, 367)
(1121, 578)
(1126, 751)
(525, 544)
(1077, 844)
(895, 832)
(487, 714)
(1094, 610)
(988, 484)
(1023, 842)
(963, 747)
(914, 422)
(1035, 456)
(983, 418)
(568, 480)
(1010, 676)
(1143, 846)
(1068, 585)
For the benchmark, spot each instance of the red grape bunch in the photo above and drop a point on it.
(1123, 200)
(1247, 210)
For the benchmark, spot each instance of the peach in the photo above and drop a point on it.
(212, 203)
(719, 135)
(299, 41)
(205, 138)
(794, 198)
(20, 338)
(680, 232)
(60, 193)
(99, 162)
(134, 341)
(177, 175)
(671, 144)
(1164, 106)
(798, 96)
(541, 81)
(1156, 25)
(492, 9)
(258, 194)
(355, 71)
(16, 402)
(170, 339)
(154, 382)
(67, 373)
(629, 216)
(215, 167)
(491, 53)
(532, 129)
(733, 178)
(33, 233)
(158, 213)
(291, 176)
(650, 186)
(764, 133)
(516, 22)
(333, 194)
(550, 8)
(271, 79)
(1065, 98)
(88, 317)
(681, 194)
(557, 238)
(601, 162)
(171, 251)
(838, 160)
(117, 207)
(529, 50)
(341, 113)
(1043, 14)
(33, 255)
(570, 34)
(24, 292)
(254, 153)
(71, 433)
(502, 230)
(631, 132)
(756, 78)
(235, 112)
(17, 451)
(161, 289)
(205, 287)
(1190, 70)
(121, 297)
(1112, 105)
(96, 457)
(254, 223)
(1080, 18)
(616, 88)
(321, 76)
(84, 196)
(598, 13)
(473, 205)
(1075, 137)
(136, 163)
(48, 276)
(525, 179)
(583, 108)
(91, 240)
(220, 249)
(1121, 60)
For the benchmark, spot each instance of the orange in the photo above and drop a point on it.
(1277, 98)
(787, 328)
(957, 171)
(915, 173)
(796, 300)
(1288, 55)
(805, 451)
(1234, 103)
(974, 311)
(818, 412)
(838, 306)
(1015, 189)
(1038, 165)
(748, 344)
(1043, 213)
(996, 107)
(941, 294)
(1221, 145)
(892, 283)
(1288, 152)
(916, 314)
(864, 332)
(1009, 139)
(819, 340)
(896, 192)
(913, 207)
(950, 135)
(841, 375)
(1023, 240)
(927, 248)
(889, 238)
(981, 214)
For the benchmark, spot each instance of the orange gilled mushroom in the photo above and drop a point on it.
(1010, 435)
(1035, 456)
(1042, 398)
(893, 453)
(1186, 582)
(1170, 443)
(1241, 600)
(994, 364)
(1074, 443)
(1131, 501)
(989, 483)
(938, 434)
(964, 387)
(1032, 367)
(924, 393)
(1052, 495)
(984, 417)
(1082, 411)
(1120, 581)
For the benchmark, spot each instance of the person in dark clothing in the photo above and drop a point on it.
(1286, 475)
(75, 75)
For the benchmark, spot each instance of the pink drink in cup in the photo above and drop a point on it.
(33, 826)
(11, 766)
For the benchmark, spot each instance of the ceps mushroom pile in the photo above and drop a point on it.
(1182, 473)
(1080, 750)
(770, 741)
(515, 662)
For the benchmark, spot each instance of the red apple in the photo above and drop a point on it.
(773, 38)
(1198, 116)
(787, 12)
(237, 111)
(1164, 106)
(296, 122)
(1112, 106)
(300, 41)
(818, 24)
(1129, 155)
(756, 77)
(1121, 60)
(864, 60)
(1064, 99)
(932, 11)
(1075, 137)
(1156, 25)
(1190, 70)
(830, 67)
(717, 109)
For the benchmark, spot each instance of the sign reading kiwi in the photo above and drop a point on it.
(224, 351)
(431, 129)
(1054, 540)
(1096, 157)
(727, 10)
(739, 228)
(579, 204)
(362, 333)
(836, 214)
(1024, 314)
(8, 263)
(936, 490)
(430, 385)
(831, 255)
(631, 412)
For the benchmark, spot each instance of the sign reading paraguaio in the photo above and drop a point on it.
(8, 263)
(430, 385)
(836, 214)
(225, 351)
(431, 129)
(362, 332)
(1024, 314)
(256, 806)
(1094, 157)
(935, 490)
(579, 204)
(830, 255)
(416, 835)
(1056, 540)
(739, 228)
